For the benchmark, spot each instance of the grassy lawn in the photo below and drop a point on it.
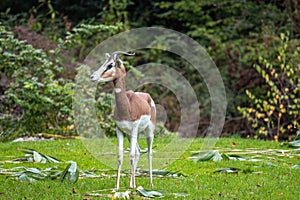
(269, 176)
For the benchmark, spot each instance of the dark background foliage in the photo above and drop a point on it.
(43, 41)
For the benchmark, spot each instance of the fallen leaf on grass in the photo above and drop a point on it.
(161, 173)
(297, 166)
(228, 170)
(99, 195)
(71, 172)
(295, 143)
(233, 170)
(213, 155)
(179, 195)
(34, 156)
(28, 174)
(148, 193)
(270, 164)
(259, 185)
(243, 158)
(122, 195)
(233, 144)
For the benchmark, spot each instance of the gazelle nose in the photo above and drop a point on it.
(92, 77)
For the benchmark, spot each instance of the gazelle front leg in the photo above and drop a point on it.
(133, 156)
(120, 155)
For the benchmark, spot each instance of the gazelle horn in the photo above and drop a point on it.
(115, 54)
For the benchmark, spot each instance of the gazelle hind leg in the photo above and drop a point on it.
(137, 156)
(149, 144)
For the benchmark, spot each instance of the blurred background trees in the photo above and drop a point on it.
(255, 45)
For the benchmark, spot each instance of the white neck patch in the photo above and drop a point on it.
(152, 103)
(118, 90)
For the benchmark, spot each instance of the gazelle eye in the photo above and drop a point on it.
(109, 66)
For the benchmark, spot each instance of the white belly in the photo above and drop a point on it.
(141, 125)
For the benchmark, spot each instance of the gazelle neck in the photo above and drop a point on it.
(122, 109)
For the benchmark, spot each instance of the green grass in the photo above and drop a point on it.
(262, 181)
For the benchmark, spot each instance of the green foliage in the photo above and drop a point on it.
(116, 12)
(84, 37)
(35, 99)
(104, 108)
(220, 21)
(235, 33)
(275, 110)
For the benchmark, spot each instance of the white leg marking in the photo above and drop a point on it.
(137, 156)
(120, 155)
(133, 146)
(149, 144)
(118, 90)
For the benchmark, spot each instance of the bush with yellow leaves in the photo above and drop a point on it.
(275, 112)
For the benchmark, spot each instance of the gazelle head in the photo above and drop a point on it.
(111, 69)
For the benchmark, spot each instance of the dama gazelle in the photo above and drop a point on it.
(134, 113)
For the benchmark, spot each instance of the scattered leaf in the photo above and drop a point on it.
(28, 174)
(213, 155)
(34, 156)
(216, 156)
(297, 166)
(148, 193)
(295, 143)
(232, 170)
(161, 173)
(228, 170)
(38, 158)
(99, 195)
(121, 195)
(179, 195)
(71, 172)
(237, 157)
(243, 158)
(25, 177)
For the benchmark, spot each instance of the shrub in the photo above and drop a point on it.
(274, 109)
(36, 93)
(104, 107)
(34, 99)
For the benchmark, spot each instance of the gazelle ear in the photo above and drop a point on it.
(119, 61)
(107, 56)
(115, 57)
